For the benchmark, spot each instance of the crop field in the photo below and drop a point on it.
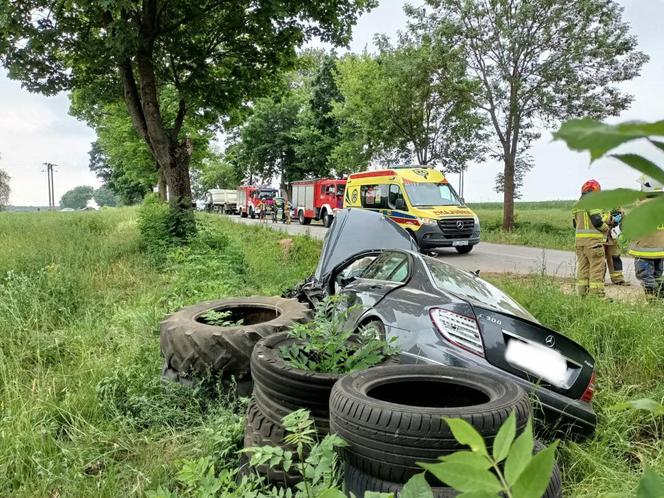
(84, 412)
(538, 224)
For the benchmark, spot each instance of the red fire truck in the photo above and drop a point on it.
(317, 200)
(249, 197)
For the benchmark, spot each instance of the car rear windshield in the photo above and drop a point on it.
(466, 285)
(432, 194)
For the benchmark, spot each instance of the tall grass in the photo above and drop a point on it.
(626, 342)
(83, 411)
(537, 224)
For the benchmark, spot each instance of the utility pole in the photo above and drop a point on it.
(51, 188)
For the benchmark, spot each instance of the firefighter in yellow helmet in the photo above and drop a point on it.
(591, 232)
(648, 252)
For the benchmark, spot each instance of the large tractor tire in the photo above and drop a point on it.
(192, 347)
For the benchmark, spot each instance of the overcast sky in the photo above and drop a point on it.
(35, 129)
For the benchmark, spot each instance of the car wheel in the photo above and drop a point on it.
(464, 249)
(300, 217)
(358, 482)
(392, 417)
(193, 347)
(327, 220)
(252, 214)
(243, 214)
(378, 327)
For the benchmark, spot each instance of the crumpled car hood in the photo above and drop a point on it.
(358, 230)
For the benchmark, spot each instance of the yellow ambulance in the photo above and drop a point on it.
(420, 200)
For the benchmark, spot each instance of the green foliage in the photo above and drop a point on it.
(412, 101)
(162, 227)
(645, 404)
(5, 190)
(104, 196)
(599, 138)
(77, 198)
(316, 462)
(523, 475)
(326, 345)
(83, 410)
(538, 62)
(650, 486)
(220, 319)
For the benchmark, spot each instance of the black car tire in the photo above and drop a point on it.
(287, 386)
(259, 430)
(280, 388)
(327, 219)
(388, 436)
(464, 249)
(300, 217)
(242, 213)
(194, 347)
(358, 482)
(252, 214)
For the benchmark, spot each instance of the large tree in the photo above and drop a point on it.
(413, 101)
(539, 62)
(77, 198)
(213, 54)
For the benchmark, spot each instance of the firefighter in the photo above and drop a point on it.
(612, 248)
(591, 232)
(648, 252)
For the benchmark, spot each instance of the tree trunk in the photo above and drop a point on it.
(177, 176)
(508, 192)
(161, 185)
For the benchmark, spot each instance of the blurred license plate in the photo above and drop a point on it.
(540, 361)
(459, 243)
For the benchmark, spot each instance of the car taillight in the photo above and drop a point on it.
(460, 330)
(590, 390)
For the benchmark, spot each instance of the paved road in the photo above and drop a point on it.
(486, 257)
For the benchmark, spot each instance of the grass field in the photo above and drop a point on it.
(83, 411)
(538, 224)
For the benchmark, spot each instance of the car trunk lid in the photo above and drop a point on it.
(534, 352)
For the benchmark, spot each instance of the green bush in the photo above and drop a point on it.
(162, 227)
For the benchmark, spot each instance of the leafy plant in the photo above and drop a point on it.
(326, 345)
(220, 319)
(316, 462)
(598, 139)
(511, 470)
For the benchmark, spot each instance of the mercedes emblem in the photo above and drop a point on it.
(459, 224)
(550, 341)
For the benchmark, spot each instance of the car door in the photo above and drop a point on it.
(387, 272)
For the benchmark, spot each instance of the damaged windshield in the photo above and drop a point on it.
(432, 194)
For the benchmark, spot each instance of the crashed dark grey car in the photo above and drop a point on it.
(440, 314)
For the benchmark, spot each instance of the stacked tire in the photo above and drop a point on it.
(392, 417)
(193, 348)
(280, 389)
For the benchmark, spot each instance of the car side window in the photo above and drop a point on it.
(390, 266)
(374, 196)
(353, 270)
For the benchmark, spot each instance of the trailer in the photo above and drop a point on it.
(221, 200)
(250, 199)
(317, 200)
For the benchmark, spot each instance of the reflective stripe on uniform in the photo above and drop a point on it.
(588, 234)
(596, 285)
(584, 227)
(646, 252)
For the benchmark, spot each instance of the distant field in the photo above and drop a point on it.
(538, 224)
